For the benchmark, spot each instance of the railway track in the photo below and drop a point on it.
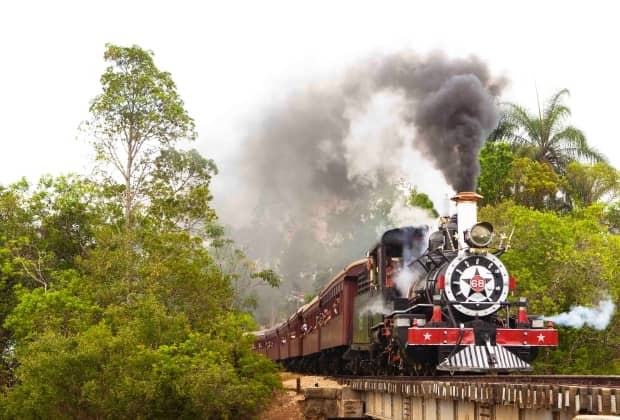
(554, 380)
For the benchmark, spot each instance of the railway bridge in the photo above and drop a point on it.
(478, 397)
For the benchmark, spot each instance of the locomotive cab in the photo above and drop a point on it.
(391, 258)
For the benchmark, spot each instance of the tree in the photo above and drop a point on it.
(533, 184)
(546, 137)
(612, 217)
(419, 199)
(138, 328)
(43, 232)
(138, 111)
(179, 191)
(244, 274)
(560, 261)
(587, 184)
(495, 162)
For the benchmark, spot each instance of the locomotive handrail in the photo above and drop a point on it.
(430, 260)
(499, 251)
(452, 319)
(451, 303)
(377, 325)
(456, 302)
(418, 305)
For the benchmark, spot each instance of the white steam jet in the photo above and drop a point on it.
(579, 316)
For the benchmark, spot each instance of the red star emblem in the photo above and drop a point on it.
(477, 282)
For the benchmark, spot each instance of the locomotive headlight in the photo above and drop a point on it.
(480, 235)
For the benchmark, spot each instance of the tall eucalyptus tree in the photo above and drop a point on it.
(138, 112)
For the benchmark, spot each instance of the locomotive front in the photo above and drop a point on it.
(457, 316)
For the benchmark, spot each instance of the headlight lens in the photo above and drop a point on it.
(480, 235)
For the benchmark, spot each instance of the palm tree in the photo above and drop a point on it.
(588, 184)
(545, 137)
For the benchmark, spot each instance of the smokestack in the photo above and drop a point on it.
(466, 213)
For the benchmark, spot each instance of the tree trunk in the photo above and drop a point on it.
(128, 192)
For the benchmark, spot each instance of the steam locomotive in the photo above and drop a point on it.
(416, 307)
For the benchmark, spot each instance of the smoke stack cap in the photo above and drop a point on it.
(466, 196)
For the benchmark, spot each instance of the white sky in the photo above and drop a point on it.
(231, 58)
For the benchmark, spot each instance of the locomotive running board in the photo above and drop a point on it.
(484, 359)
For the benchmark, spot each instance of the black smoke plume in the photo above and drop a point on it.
(453, 109)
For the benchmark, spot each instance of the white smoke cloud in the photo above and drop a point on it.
(403, 215)
(377, 306)
(406, 278)
(419, 173)
(377, 139)
(597, 318)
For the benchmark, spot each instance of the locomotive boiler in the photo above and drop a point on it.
(417, 304)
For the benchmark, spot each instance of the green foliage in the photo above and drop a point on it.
(562, 261)
(15, 229)
(587, 184)
(102, 373)
(179, 190)
(612, 217)
(533, 184)
(68, 212)
(140, 98)
(495, 162)
(42, 232)
(268, 276)
(418, 199)
(141, 328)
(39, 311)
